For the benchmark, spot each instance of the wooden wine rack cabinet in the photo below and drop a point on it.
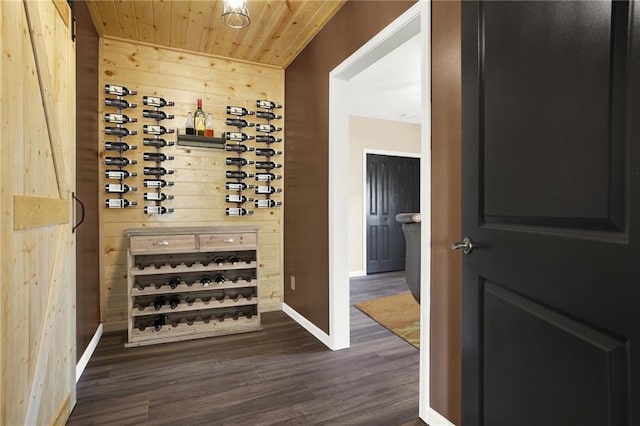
(174, 262)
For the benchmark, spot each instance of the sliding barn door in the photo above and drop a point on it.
(37, 155)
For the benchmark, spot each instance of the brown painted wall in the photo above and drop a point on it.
(87, 255)
(306, 227)
(446, 116)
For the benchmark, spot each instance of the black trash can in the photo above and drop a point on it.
(411, 229)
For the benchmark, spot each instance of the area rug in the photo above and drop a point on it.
(399, 313)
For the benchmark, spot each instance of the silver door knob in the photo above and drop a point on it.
(466, 245)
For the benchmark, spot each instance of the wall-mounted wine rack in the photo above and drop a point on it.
(154, 137)
(266, 158)
(115, 150)
(235, 143)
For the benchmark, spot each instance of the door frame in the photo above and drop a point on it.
(416, 20)
(365, 152)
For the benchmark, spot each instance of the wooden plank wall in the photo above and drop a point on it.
(37, 155)
(199, 179)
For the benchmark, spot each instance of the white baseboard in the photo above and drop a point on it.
(436, 419)
(307, 325)
(86, 356)
(354, 274)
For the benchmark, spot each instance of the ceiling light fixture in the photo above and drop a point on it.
(235, 13)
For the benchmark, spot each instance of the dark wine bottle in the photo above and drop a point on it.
(237, 211)
(237, 161)
(159, 322)
(267, 104)
(119, 188)
(157, 115)
(119, 131)
(239, 111)
(158, 143)
(174, 301)
(157, 196)
(157, 171)
(266, 177)
(267, 128)
(119, 118)
(159, 302)
(237, 136)
(237, 186)
(156, 102)
(157, 210)
(267, 139)
(237, 174)
(156, 183)
(238, 148)
(118, 161)
(267, 152)
(119, 203)
(267, 203)
(119, 174)
(218, 260)
(118, 146)
(268, 115)
(267, 190)
(233, 259)
(267, 165)
(238, 122)
(155, 129)
(174, 282)
(112, 89)
(118, 103)
(219, 278)
(189, 300)
(156, 156)
(206, 280)
(237, 198)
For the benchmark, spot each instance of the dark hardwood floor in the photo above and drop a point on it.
(279, 376)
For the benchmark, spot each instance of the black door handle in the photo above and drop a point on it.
(73, 194)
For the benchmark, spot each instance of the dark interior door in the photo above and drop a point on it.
(393, 186)
(551, 200)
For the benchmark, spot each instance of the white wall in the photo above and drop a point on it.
(377, 135)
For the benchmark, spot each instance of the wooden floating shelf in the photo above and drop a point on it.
(195, 287)
(200, 141)
(196, 267)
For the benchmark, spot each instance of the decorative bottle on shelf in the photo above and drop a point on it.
(199, 119)
(189, 126)
(208, 131)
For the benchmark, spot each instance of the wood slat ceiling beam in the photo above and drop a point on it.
(279, 29)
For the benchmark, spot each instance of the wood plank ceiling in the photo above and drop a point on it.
(279, 29)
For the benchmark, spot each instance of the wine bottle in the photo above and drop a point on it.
(174, 282)
(118, 103)
(156, 156)
(266, 177)
(118, 161)
(206, 280)
(267, 128)
(237, 186)
(155, 129)
(218, 260)
(237, 174)
(236, 110)
(237, 161)
(237, 136)
(112, 89)
(174, 301)
(268, 139)
(267, 104)
(157, 196)
(119, 131)
(267, 190)
(157, 171)
(189, 300)
(156, 183)
(119, 174)
(199, 119)
(268, 115)
(267, 152)
(238, 122)
(119, 203)
(159, 322)
(237, 198)
(159, 302)
(157, 210)
(236, 211)
(267, 203)
(219, 278)
(239, 148)
(158, 143)
(189, 126)
(267, 165)
(233, 259)
(208, 128)
(119, 118)
(158, 115)
(118, 146)
(156, 102)
(119, 188)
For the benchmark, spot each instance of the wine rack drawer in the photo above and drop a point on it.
(228, 241)
(167, 243)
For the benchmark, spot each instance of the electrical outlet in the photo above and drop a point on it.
(293, 283)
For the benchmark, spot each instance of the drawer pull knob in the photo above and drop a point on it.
(228, 240)
(162, 243)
